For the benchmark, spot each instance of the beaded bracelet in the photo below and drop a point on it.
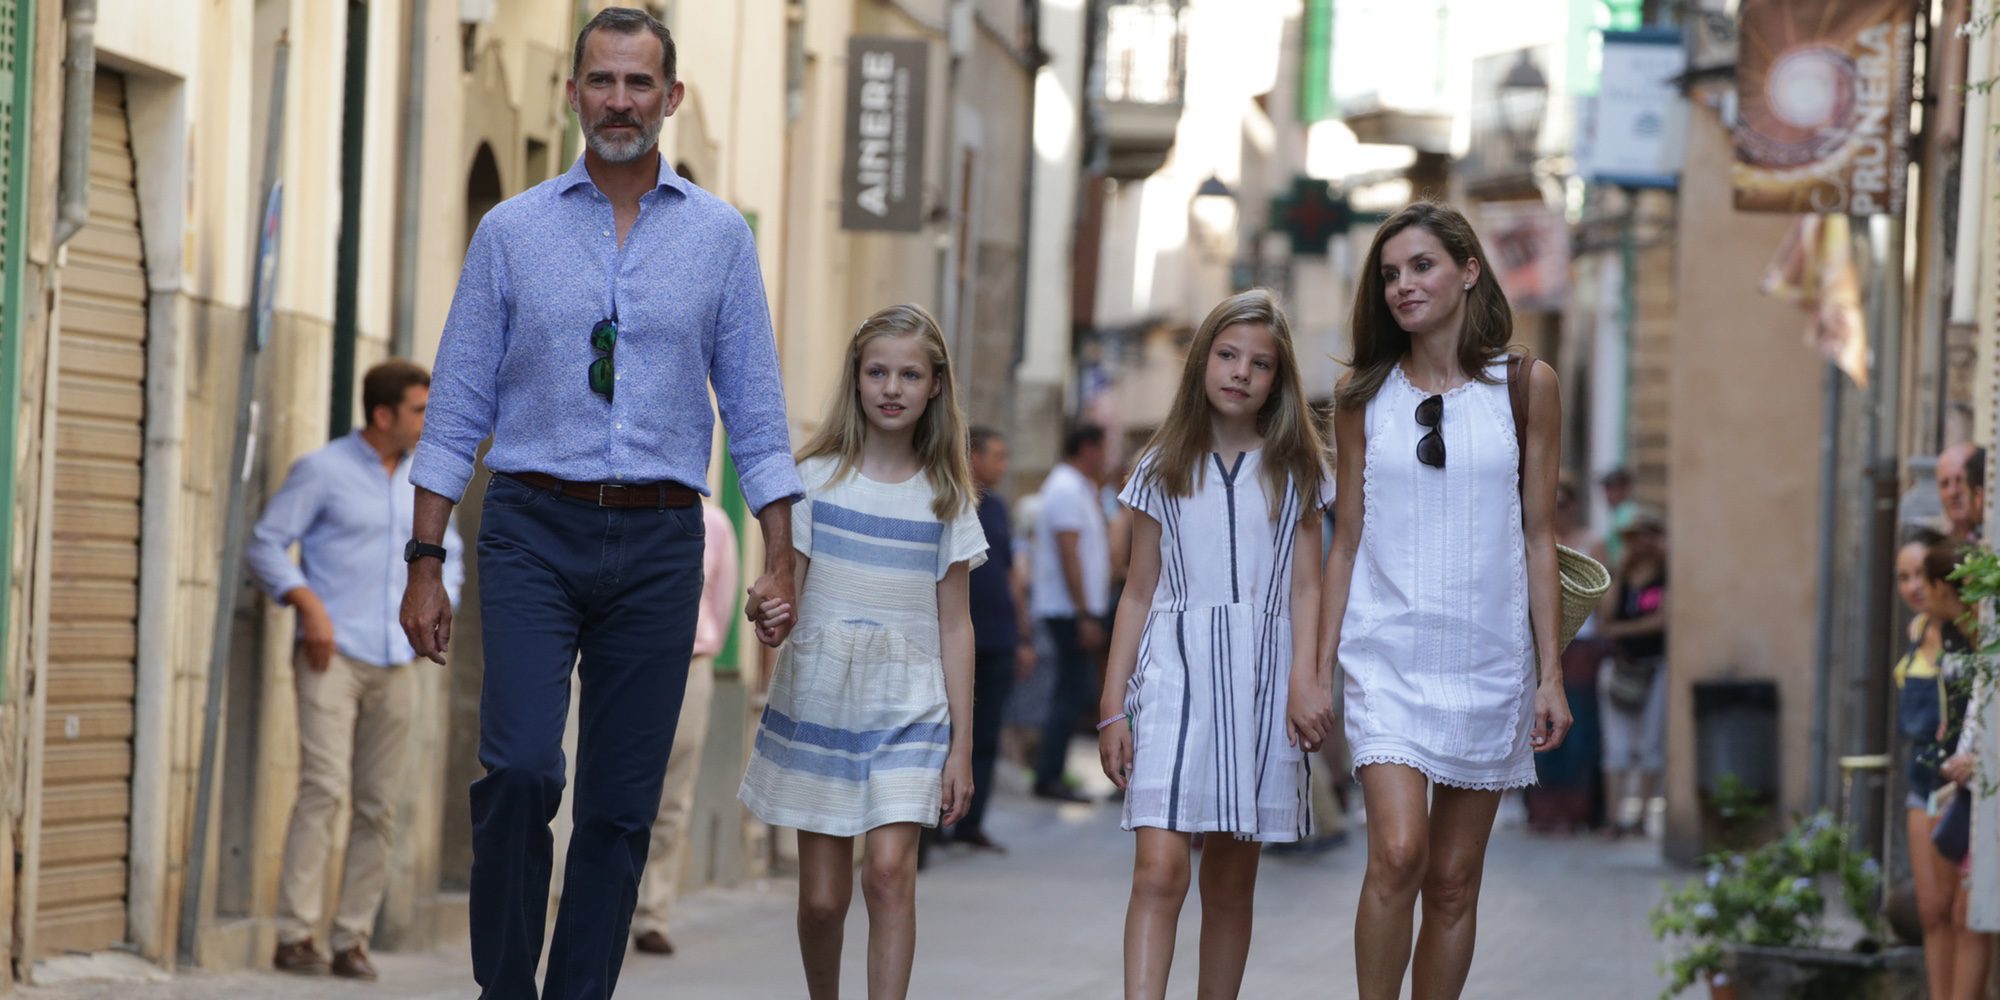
(1121, 717)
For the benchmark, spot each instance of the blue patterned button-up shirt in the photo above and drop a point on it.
(350, 518)
(543, 268)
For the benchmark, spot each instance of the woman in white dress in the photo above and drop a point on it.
(1441, 600)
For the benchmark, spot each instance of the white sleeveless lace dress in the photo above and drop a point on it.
(1435, 645)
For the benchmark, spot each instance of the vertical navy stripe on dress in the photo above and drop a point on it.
(1229, 493)
(1180, 743)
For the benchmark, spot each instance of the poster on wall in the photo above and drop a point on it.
(1527, 245)
(1823, 106)
(882, 167)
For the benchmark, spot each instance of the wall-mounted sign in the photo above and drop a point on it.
(1823, 106)
(1632, 129)
(882, 171)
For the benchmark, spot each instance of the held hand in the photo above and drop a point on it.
(775, 585)
(315, 631)
(1114, 752)
(426, 615)
(1552, 718)
(1308, 714)
(957, 789)
(1090, 633)
(773, 620)
(1958, 769)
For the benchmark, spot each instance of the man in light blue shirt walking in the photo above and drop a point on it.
(593, 315)
(348, 506)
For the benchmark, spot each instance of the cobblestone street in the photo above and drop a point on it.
(1558, 918)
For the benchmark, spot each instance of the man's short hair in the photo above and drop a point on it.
(387, 383)
(626, 21)
(1618, 477)
(1080, 437)
(982, 435)
(1975, 468)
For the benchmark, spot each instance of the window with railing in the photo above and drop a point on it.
(1143, 44)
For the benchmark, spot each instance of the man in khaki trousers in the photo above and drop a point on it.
(668, 855)
(348, 507)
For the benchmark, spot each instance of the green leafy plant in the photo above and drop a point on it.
(1774, 896)
(1973, 675)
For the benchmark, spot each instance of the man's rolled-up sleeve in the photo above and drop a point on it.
(465, 382)
(744, 370)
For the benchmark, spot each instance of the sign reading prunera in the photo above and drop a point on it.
(882, 172)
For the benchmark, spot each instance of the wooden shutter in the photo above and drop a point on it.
(94, 606)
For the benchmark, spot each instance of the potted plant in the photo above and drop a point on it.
(1754, 926)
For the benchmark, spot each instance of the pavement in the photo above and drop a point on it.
(1558, 918)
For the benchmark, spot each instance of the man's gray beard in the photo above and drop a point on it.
(615, 151)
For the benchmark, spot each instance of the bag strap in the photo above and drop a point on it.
(1517, 397)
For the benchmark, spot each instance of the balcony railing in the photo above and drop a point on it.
(1142, 66)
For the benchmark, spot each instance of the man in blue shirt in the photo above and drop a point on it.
(1000, 636)
(593, 315)
(348, 506)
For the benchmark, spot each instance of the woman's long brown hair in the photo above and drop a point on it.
(940, 440)
(1293, 446)
(1380, 341)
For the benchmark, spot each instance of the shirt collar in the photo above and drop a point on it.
(367, 453)
(578, 176)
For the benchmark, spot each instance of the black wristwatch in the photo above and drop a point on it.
(416, 550)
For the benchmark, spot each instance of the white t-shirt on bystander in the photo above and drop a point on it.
(1069, 503)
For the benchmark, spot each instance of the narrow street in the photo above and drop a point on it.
(1559, 918)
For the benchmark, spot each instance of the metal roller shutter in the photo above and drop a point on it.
(94, 606)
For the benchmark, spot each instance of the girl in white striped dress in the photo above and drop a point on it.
(868, 728)
(1216, 617)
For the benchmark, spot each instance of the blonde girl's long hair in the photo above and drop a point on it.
(1380, 341)
(940, 438)
(1294, 449)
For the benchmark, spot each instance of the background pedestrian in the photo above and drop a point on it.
(1070, 594)
(348, 507)
(666, 859)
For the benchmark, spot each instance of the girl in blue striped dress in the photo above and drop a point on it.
(868, 728)
(1216, 623)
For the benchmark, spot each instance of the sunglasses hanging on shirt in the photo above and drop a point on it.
(603, 372)
(1430, 447)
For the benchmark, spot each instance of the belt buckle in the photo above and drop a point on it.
(601, 487)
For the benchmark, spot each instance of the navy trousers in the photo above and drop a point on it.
(1075, 693)
(558, 578)
(992, 683)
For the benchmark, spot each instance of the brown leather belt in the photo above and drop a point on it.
(620, 495)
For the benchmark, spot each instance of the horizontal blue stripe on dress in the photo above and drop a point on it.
(876, 525)
(793, 757)
(849, 741)
(855, 550)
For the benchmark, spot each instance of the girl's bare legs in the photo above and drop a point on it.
(826, 886)
(889, 887)
(1228, 890)
(1461, 824)
(1159, 887)
(1937, 890)
(1969, 965)
(1398, 848)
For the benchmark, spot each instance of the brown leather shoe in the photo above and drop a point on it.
(300, 957)
(354, 964)
(653, 943)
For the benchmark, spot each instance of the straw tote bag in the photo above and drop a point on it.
(1584, 580)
